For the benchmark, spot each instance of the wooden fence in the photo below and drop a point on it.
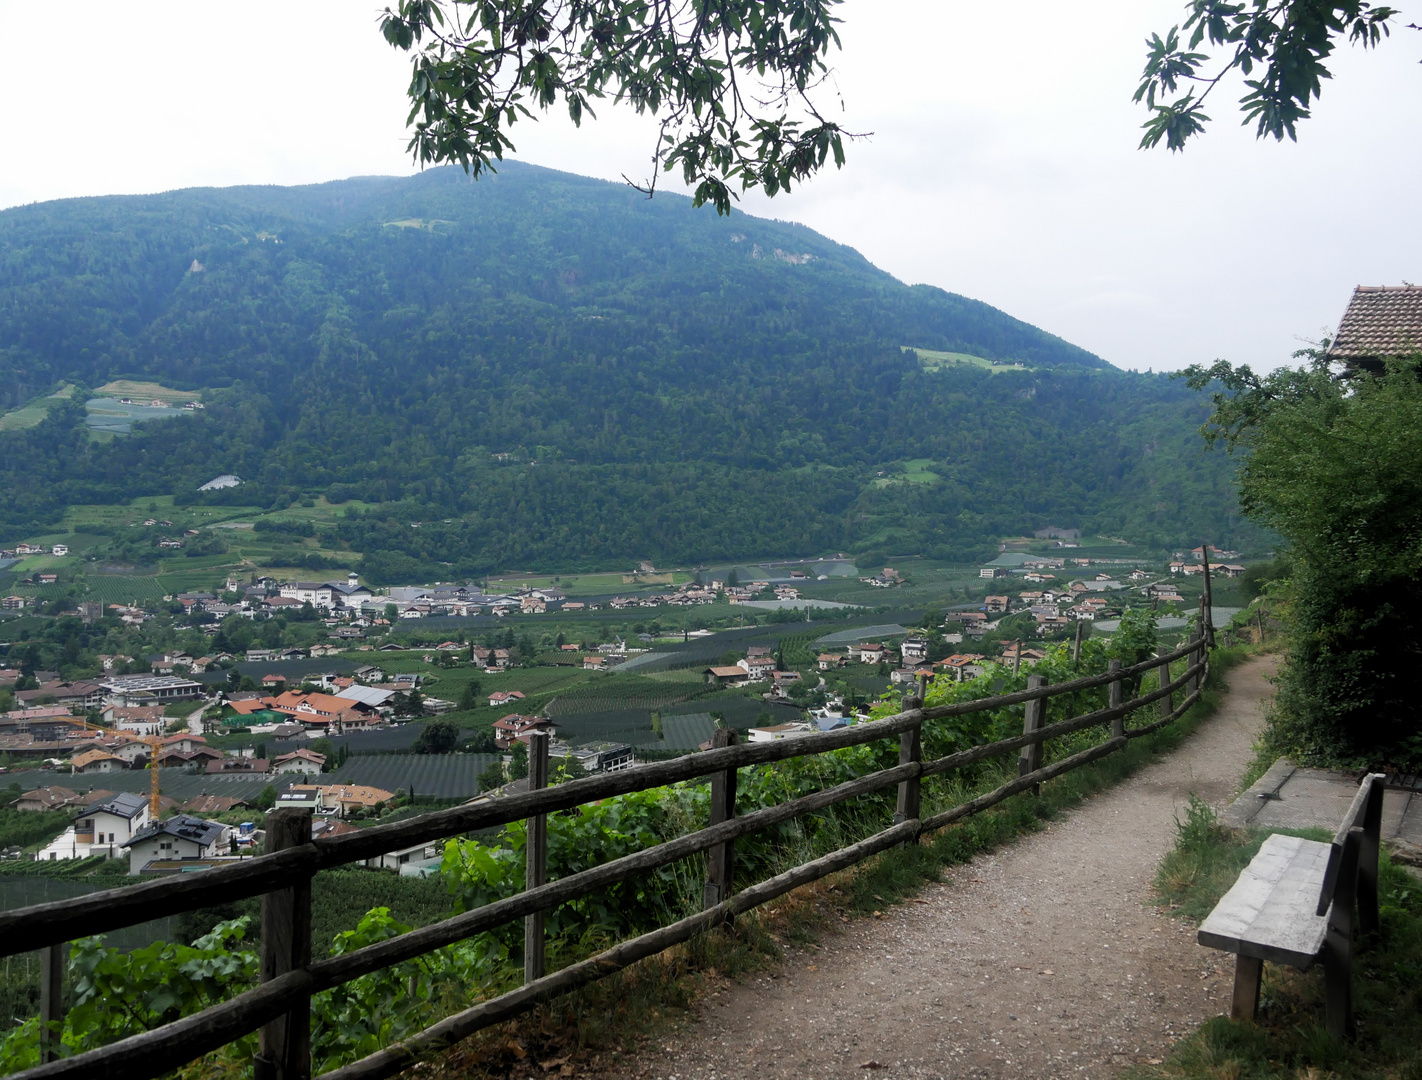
(279, 1006)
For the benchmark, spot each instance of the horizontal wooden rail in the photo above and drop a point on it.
(151, 1053)
(394, 1059)
(177, 1043)
(1051, 731)
(397, 1058)
(339, 969)
(29, 928)
(1067, 764)
(1086, 682)
(1180, 710)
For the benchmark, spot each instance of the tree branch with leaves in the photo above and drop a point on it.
(733, 83)
(1281, 47)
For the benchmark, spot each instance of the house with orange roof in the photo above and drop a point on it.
(97, 761)
(251, 706)
(347, 798)
(324, 711)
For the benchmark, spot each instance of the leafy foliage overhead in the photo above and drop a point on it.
(731, 81)
(1281, 47)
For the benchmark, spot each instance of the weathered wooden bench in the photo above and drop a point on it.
(1295, 904)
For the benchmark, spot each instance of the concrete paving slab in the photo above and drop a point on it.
(1288, 797)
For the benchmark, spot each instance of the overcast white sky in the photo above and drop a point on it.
(1002, 163)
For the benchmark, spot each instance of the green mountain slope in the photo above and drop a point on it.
(567, 372)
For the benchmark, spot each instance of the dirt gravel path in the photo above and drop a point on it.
(1039, 960)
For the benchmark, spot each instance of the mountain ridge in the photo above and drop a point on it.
(565, 370)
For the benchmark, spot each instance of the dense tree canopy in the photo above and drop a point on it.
(1331, 465)
(544, 370)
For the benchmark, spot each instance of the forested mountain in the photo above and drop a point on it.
(567, 372)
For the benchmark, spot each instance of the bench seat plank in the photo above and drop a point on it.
(1269, 914)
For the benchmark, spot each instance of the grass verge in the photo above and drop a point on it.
(1288, 1041)
(595, 1027)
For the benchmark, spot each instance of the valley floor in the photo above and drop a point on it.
(1040, 960)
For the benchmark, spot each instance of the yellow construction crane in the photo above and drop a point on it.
(155, 746)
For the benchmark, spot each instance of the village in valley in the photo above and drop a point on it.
(362, 702)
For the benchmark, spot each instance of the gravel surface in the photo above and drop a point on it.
(1040, 960)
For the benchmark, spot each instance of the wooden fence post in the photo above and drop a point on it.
(1166, 708)
(1115, 696)
(720, 858)
(1191, 657)
(51, 1001)
(1034, 715)
(1076, 644)
(535, 851)
(1207, 599)
(284, 1045)
(910, 749)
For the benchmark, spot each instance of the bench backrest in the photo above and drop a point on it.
(1365, 816)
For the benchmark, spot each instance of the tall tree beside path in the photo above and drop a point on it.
(1331, 465)
(734, 83)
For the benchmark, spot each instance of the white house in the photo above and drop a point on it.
(319, 594)
(781, 731)
(141, 720)
(352, 594)
(757, 667)
(180, 837)
(304, 798)
(59, 550)
(914, 649)
(299, 760)
(102, 828)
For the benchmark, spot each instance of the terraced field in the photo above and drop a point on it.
(440, 776)
(629, 693)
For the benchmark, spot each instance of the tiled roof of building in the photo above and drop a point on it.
(203, 833)
(1381, 321)
(89, 757)
(212, 804)
(125, 804)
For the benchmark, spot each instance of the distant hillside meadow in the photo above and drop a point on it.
(541, 370)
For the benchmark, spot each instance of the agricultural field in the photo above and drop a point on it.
(148, 391)
(609, 725)
(582, 584)
(32, 412)
(18, 892)
(438, 776)
(249, 551)
(107, 417)
(933, 360)
(180, 784)
(614, 692)
(124, 588)
(679, 675)
(916, 471)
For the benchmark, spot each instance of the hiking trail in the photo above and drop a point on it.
(1041, 959)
